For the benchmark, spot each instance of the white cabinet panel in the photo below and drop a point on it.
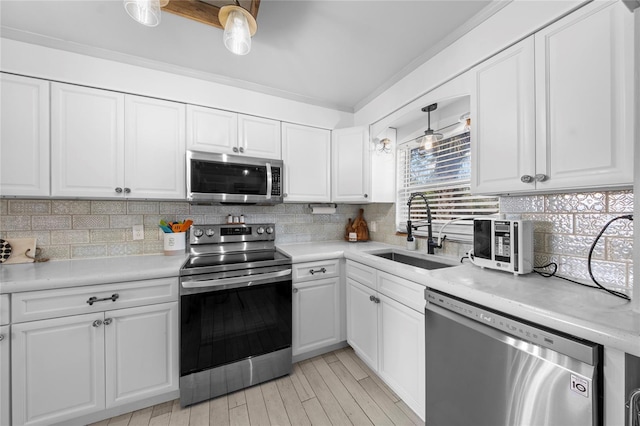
(316, 314)
(5, 373)
(350, 162)
(584, 67)
(211, 129)
(141, 352)
(4, 309)
(503, 121)
(87, 142)
(402, 351)
(24, 136)
(362, 322)
(259, 137)
(154, 148)
(57, 369)
(306, 152)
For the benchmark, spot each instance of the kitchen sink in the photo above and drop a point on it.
(418, 262)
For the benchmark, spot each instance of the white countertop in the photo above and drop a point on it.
(587, 313)
(74, 273)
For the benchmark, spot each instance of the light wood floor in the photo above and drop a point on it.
(333, 389)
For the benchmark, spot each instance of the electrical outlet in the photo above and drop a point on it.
(374, 226)
(138, 232)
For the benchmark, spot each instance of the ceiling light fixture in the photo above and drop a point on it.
(465, 119)
(239, 26)
(146, 12)
(430, 137)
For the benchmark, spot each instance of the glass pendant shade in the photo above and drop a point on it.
(146, 12)
(239, 26)
(430, 138)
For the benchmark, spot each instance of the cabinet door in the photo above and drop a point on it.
(401, 360)
(316, 314)
(212, 130)
(24, 136)
(87, 142)
(503, 122)
(259, 137)
(141, 352)
(350, 165)
(5, 401)
(57, 369)
(306, 152)
(362, 322)
(155, 149)
(584, 91)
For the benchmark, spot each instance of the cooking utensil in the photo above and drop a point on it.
(186, 225)
(176, 227)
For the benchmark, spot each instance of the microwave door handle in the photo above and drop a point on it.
(269, 181)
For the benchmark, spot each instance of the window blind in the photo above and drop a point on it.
(443, 174)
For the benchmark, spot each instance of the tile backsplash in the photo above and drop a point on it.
(73, 229)
(565, 226)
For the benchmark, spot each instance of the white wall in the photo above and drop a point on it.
(53, 64)
(512, 23)
(636, 201)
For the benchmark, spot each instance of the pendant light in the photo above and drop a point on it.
(430, 137)
(146, 12)
(239, 26)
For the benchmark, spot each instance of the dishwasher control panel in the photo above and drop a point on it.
(551, 339)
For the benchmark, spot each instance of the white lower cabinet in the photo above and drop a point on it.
(5, 383)
(318, 306)
(71, 366)
(385, 326)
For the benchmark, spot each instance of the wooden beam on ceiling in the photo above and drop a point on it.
(203, 12)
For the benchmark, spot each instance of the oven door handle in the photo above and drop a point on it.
(242, 281)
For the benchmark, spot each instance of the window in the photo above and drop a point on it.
(443, 174)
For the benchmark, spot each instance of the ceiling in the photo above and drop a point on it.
(338, 54)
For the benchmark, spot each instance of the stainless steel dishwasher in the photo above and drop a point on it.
(488, 368)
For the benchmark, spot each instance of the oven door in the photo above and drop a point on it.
(233, 316)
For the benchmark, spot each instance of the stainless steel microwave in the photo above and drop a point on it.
(233, 179)
(506, 245)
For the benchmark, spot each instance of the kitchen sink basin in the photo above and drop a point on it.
(418, 262)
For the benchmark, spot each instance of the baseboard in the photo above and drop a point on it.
(321, 351)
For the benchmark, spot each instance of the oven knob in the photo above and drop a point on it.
(269, 230)
(210, 232)
(198, 232)
(260, 230)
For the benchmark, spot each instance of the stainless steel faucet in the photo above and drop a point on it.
(431, 245)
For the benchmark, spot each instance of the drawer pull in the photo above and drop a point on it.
(94, 299)
(108, 321)
(374, 299)
(321, 270)
(97, 323)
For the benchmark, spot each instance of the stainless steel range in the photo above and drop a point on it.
(235, 311)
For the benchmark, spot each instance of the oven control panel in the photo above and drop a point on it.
(218, 234)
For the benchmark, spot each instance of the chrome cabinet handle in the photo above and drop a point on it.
(366, 195)
(321, 270)
(285, 195)
(127, 190)
(241, 149)
(1, 337)
(119, 190)
(526, 179)
(295, 290)
(540, 177)
(94, 299)
(235, 149)
(108, 321)
(374, 299)
(97, 323)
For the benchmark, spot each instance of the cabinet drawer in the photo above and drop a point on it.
(404, 291)
(314, 270)
(4, 309)
(362, 274)
(36, 305)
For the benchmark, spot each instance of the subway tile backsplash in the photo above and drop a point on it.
(73, 229)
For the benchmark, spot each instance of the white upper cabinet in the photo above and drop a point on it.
(154, 148)
(87, 142)
(561, 121)
(503, 121)
(306, 153)
(24, 137)
(259, 137)
(211, 129)
(351, 160)
(110, 145)
(584, 99)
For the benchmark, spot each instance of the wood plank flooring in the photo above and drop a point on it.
(333, 389)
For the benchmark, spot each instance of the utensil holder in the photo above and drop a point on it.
(174, 243)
